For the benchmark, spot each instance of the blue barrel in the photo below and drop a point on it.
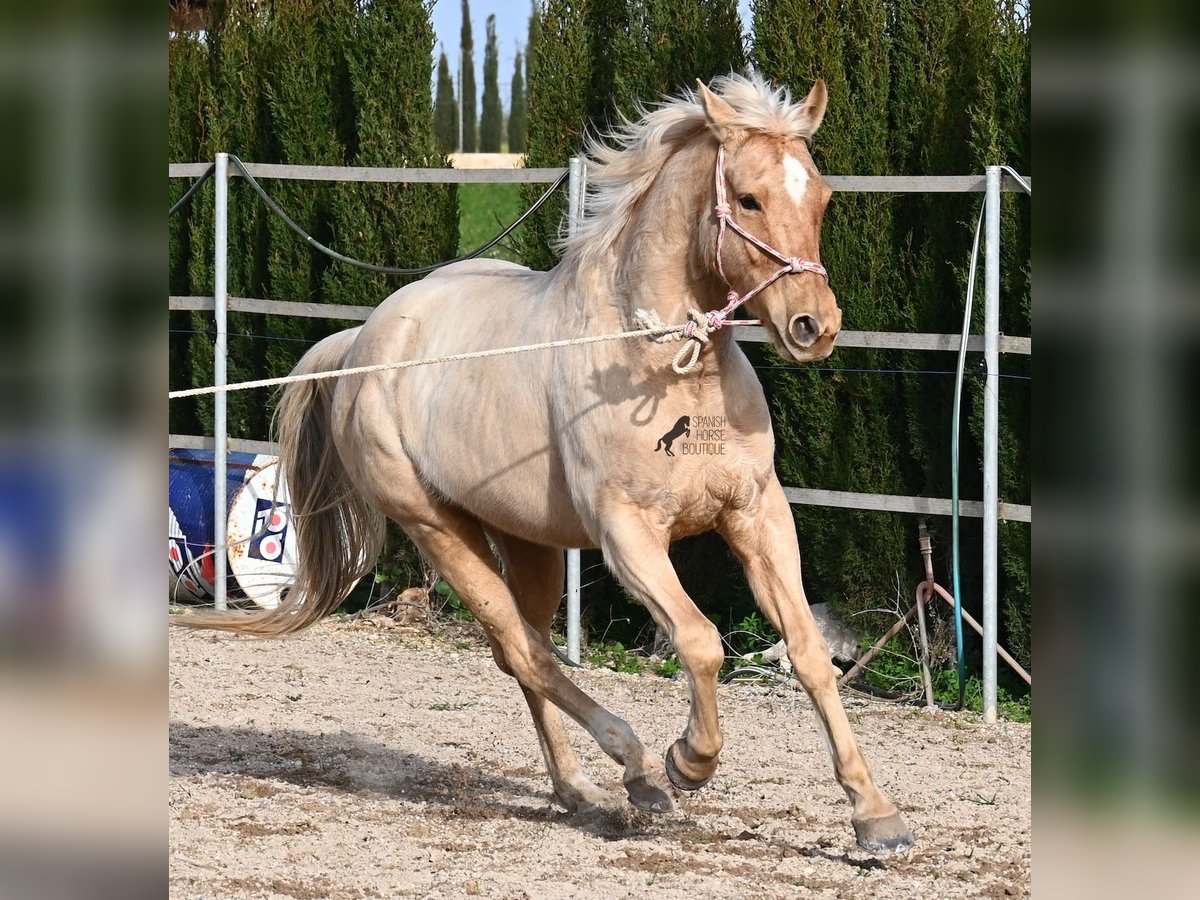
(255, 543)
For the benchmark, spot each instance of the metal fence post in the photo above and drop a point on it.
(220, 304)
(574, 214)
(991, 435)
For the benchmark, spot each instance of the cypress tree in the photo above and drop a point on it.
(388, 58)
(915, 88)
(517, 111)
(686, 41)
(467, 67)
(303, 83)
(491, 123)
(533, 41)
(832, 430)
(233, 108)
(598, 59)
(308, 97)
(558, 98)
(445, 109)
(188, 77)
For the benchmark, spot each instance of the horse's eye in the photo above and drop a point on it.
(747, 201)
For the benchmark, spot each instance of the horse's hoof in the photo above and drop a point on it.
(583, 798)
(645, 795)
(680, 780)
(883, 836)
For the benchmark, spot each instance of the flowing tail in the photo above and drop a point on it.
(340, 535)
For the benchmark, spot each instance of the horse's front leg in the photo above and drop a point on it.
(636, 552)
(764, 538)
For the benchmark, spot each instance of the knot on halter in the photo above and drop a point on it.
(701, 325)
(796, 264)
(695, 331)
(722, 211)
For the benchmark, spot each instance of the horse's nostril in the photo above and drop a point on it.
(804, 331)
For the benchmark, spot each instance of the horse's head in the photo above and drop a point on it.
(774, 195)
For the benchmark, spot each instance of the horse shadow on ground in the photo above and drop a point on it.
(354, 765)
(350, 764)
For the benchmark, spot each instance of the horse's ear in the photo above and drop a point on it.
(720, 114)
(814, 106)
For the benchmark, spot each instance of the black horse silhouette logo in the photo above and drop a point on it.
(682, 427)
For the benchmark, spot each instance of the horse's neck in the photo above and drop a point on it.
(659, 268)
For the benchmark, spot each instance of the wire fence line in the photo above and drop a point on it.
(311, 241)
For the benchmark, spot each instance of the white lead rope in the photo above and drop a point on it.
(653, 331)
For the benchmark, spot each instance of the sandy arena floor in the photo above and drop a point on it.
(367, 759)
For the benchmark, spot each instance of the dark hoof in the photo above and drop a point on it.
(680, 780)
(645, 795)
(884, 836)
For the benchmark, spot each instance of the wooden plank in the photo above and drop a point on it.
(238, 445)
(187, 170)
(889, 340)
(277, 308)
(1013, 512)
(931, 506)
(880, 340)
(754, 334)
(380, 175)
(891, 184)
(918, 184)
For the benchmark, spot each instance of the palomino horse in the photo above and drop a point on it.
(492, 466)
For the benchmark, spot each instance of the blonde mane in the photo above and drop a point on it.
(623, 162)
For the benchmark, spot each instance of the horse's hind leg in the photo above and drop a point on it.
(637, 554)
(456, 545)
(535, 576)
(765, 540)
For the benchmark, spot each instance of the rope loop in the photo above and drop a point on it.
(722, 211)
(699, 326)
(695, 332)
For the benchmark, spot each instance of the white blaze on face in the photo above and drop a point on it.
(795, 178)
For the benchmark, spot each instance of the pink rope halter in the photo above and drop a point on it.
(789, 265)
(700, 325)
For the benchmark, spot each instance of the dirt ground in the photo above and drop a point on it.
(366, 759)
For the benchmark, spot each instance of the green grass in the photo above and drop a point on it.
(613, 655)
(894, 669)
(484, 211)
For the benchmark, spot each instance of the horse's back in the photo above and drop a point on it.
(478, 431)
(478, 267)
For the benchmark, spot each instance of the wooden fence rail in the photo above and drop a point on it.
(878, 340)
(871, 184)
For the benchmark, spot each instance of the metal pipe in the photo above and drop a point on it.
(574, 215)
(923, 592)
(574, 192)
(991, 437)
(926, 677)
(573, 605)
(220, 351)
(1000, 651)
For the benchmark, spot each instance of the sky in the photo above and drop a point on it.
(512, 29)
